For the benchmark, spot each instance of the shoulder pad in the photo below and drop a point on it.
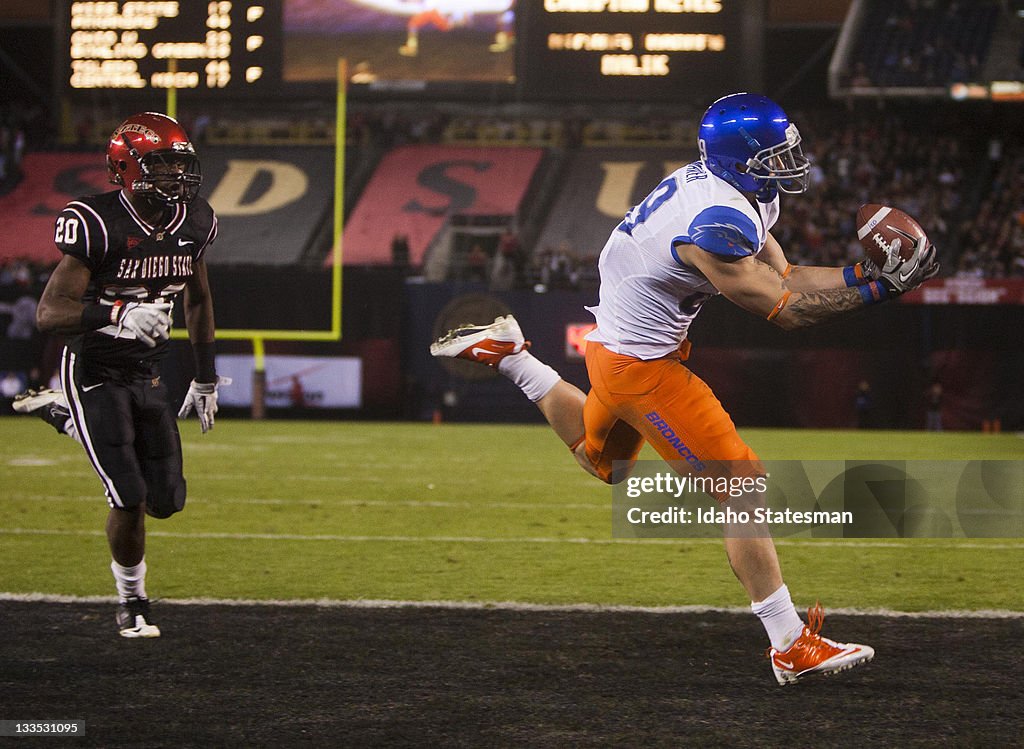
(81, 232)
(723, 230)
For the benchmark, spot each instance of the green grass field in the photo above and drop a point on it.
(310, 510)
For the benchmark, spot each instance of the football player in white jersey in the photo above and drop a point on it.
(704, 230)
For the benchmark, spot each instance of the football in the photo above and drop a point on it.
(888, 235)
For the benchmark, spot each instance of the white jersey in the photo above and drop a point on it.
(648, 296)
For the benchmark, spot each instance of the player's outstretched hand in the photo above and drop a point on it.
(912, 272)
(202, 396)
(149, 322)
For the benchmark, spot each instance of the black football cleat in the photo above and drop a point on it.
(133, 619)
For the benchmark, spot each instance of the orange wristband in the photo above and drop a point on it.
(779, 305)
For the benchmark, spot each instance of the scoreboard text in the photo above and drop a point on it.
(222, 45)
(633, 50)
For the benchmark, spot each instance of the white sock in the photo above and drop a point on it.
(130, 581)
(534, 377)
(778, 615)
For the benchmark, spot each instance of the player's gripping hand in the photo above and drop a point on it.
(149, 322)
(909, 274)
(202, 396)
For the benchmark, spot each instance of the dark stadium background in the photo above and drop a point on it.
(373, 579)
(885, 127)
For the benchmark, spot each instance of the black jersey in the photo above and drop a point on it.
(131, 261)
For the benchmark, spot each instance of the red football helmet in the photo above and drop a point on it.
(150, 155)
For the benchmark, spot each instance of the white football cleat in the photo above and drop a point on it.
(49, 405)
(813, 654)
(33, 400)
(486, 344)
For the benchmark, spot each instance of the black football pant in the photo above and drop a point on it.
(128, 428)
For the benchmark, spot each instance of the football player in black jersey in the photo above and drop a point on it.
(127, 254)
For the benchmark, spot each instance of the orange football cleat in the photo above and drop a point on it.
(487, 344)
(813, 654)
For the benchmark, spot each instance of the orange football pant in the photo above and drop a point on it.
(663, 402)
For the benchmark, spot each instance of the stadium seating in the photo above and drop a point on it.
(923, 44)
(992, 233)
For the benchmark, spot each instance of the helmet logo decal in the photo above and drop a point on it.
(133, 127)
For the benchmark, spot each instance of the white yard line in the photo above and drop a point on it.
(865, 543)
(604, 506)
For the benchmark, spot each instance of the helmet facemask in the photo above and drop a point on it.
(169, 176)
(784, 164)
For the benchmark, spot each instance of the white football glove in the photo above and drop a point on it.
(202, 396)
(149, 322)
(912, 272)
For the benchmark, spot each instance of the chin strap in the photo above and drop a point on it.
(718, 171)
(766, 194)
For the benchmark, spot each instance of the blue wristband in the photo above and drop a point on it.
(852, 278)
(872, 292)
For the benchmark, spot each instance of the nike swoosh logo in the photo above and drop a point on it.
(183, 242)
(475, 351)
(909, 237)
(781, 662)
(91, 387)
(904, 277)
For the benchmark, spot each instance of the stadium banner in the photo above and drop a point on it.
(50, 180)
(968, 291)
(692, 498)
(295, 381)
(416, 189)
(269, 202)
(601, 185)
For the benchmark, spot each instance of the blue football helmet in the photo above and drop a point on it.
(747, 140)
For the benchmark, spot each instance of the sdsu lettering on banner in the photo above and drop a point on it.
(416, 189)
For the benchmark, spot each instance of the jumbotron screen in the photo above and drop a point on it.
(394, 41)
(565, 50)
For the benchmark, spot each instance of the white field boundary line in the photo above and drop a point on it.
(440, 503)
(594, 608)
(584, 480)
(946, 544)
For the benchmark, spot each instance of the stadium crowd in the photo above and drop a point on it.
(14, 121)
(992, 236)
(21, 344)
(973, 215)
(870, 159)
